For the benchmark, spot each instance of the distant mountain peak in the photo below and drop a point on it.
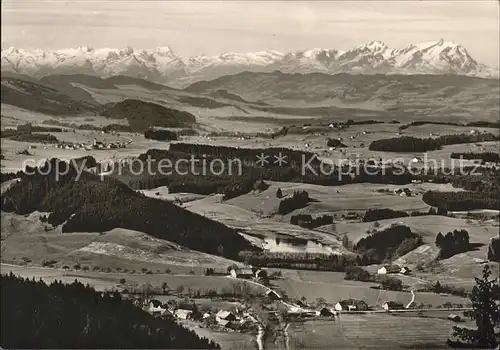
(163, 65)
(164, 50)
(375, 46)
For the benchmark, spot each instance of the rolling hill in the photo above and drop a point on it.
(142, 115)
(446, 97)
(43, 98)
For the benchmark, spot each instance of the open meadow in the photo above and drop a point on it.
(371, 331)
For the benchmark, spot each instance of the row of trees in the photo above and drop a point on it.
(381, 214)
(142, 115)
(28, 136)
(483, 124)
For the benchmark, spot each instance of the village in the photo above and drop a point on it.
(244, 314)
(95, 145)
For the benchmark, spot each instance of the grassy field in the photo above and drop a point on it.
(226, 340)
(458, 270)
(335, 200)
(102, 281)
(372, 331)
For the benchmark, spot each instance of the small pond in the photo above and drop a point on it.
(296, 245)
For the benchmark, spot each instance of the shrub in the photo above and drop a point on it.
(357, 273)
(391, 283)
(297, 201)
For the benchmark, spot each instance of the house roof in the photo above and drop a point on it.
(355, 302)
(223, 323)
(223, 314)
(243, 271)
(183, 312)
(270, 291)
(393, 268)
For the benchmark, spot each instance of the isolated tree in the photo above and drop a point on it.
(376, 224)
(180, 289)
(485, 312)
(279, 193)
(122, 281)
(439, 239)
(438, 288)
(164, 287)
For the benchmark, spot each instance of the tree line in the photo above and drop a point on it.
(301, 261)
(28, 136)
(462, 200)
(310, 222)
(491, 157)
(484, 124)
(160, 134)
(383, 213)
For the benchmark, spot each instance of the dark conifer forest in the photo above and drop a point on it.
(60, 316)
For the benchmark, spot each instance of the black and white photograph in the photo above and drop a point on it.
(250, 175)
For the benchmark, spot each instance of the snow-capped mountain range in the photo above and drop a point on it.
(163, 65)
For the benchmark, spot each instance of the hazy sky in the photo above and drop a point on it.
(211, 27)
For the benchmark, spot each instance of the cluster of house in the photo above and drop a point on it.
(229, 320)
(94, 145)
(387, 269)
(343, 305)
(403, 192)
(349, 305)
(223, 318)
(247, 273)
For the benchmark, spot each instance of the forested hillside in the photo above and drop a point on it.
(59, 316)
(92, 204)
